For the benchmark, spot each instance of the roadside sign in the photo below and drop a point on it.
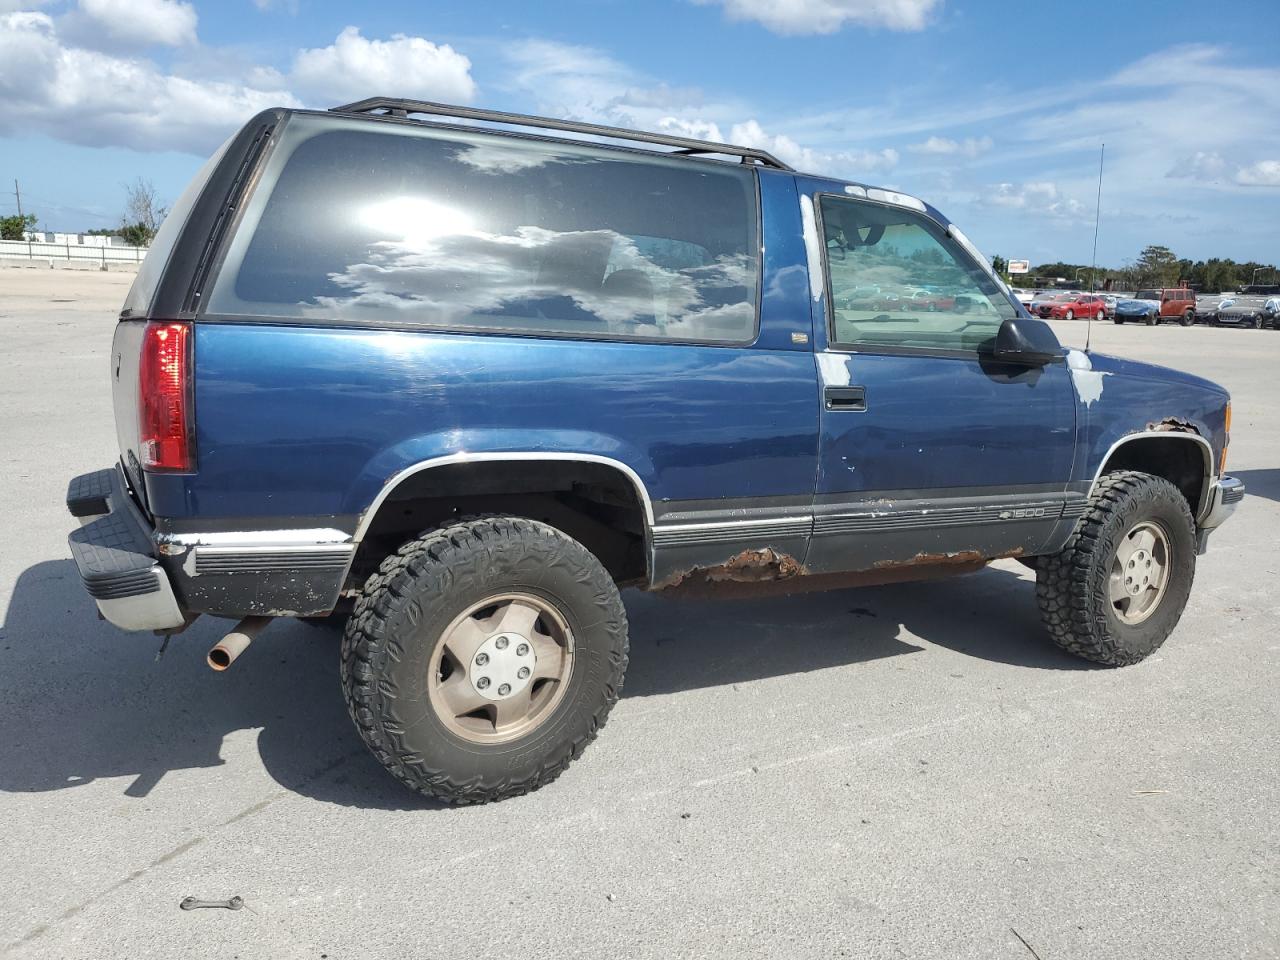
(1019, 266)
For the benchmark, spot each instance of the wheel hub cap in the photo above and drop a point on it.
(503, 666)
(1140, 572)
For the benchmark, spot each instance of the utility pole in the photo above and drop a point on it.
(17, 195)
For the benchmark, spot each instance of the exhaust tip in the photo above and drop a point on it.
(226, 650)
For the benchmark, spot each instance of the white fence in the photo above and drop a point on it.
(35, 250)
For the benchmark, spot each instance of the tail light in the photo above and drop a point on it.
(166, 433)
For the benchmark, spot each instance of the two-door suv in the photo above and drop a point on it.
(460, 384)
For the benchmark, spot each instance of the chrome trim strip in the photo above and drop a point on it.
(256, 539)
(803, 520)
(366, 518)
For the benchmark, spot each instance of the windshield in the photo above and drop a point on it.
(1147, 295)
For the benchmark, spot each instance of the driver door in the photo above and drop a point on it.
(929, 450)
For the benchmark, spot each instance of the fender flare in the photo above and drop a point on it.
(1206, 450)
(371, 511)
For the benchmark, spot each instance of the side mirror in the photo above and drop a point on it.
(1026, 341)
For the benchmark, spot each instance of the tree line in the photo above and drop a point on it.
(1156, 266)
(142, 216)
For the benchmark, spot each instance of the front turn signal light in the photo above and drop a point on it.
(1226, 442)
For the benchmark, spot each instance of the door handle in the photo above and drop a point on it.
(847, 399)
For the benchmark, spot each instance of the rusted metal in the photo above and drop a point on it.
(758, 573)
(750, 566)
(1173, 425)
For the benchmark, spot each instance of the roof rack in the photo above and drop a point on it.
(389, 106)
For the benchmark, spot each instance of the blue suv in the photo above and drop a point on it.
(457, 376)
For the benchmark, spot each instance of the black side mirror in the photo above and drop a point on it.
(1027, 341)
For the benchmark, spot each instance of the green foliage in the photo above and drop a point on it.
(1158, 266)
(136, 234)
(12, 228)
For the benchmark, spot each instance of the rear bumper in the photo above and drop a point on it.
(112, 551)
(142, 580)
(1224, 496)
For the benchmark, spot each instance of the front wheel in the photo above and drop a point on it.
(483, 657)
(1069, 315)
(1188, 318)
(1152, 319)
(1115, 592)
(1119, 320)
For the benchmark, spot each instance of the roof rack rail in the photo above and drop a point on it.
(389, 106)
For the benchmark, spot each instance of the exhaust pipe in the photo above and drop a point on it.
(236, 642)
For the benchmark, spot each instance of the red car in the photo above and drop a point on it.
(1079, 307)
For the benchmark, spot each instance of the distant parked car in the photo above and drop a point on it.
(1109, 304)
(1045, 301)
(1024, 297)
(1245, 311)
(1152, 306)
(1079, 306)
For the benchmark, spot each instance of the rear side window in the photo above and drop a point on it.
(423, 227)
(898, 281)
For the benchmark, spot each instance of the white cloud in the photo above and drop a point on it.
(97, 99)
(583, 83)
(828, 16)
(48, 74)
(145, 22)
(1201, 165)
(353, 67)
(1264, 173)
(835, 163)
(944, 146)
(1040, 198)
(13, 6)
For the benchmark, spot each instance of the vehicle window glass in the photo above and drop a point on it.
(897, 279)
(357, 223)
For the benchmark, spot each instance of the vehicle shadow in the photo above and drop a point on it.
(84, 702)
(1260, 483)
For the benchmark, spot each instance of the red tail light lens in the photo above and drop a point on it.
(165, 425)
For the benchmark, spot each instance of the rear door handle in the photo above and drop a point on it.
(847, 399)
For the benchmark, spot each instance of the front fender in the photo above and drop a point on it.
(1124, 402)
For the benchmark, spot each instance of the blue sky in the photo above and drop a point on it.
(993, 111)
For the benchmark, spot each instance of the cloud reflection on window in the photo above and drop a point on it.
(439, 272)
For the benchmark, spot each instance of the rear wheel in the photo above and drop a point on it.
(1115, 592)
(483, 657)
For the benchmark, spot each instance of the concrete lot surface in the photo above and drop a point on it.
(910, 771)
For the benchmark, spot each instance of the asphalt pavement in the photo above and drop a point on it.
(907, 771)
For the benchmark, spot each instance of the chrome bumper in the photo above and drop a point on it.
(1224, 496)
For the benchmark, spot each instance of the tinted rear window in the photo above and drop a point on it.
(397, 225)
